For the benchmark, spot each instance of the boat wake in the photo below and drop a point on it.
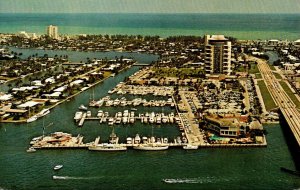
(189, 180)
(72, 177)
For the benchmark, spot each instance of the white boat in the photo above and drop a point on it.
(31, 119)
(129, 140)
(116, 102)
(108, 147)
(125, 120)
(118, 120)
(111, 121)
(82, 107)
(133, 109)
(131, 120)
(88, 114)
(151, 120)
(126, 113)
(151, 146)
(58, 167)
(78, 116)
(190, 147)
(43, 113)
(119, 114)
(31, 149)
(100, 113)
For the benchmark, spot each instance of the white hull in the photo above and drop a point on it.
(108, 148)
(150, 147)
(31, 119)
(190, 147)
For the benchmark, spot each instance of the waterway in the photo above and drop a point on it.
(217, 168)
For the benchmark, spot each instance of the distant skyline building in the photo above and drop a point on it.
(52, 31)
(217, 54)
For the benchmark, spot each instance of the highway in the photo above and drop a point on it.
(282, 100)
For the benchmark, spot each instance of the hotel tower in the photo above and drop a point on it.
(217, 55)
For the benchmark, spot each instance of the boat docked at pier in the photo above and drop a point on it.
(43, 112)
(113, 144)
(32, 119)
(190, 147)
(78, 116)
(150, 144)
(108, 147)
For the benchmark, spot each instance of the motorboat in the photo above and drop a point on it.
(100, 113)
(58, 167)
(78, 116)
(31, 119)
(88, 114)
(31, 149)
(43, 112)
(108, 147)
(82, 107)
(151, 146)
(190, 147)
(111, 121)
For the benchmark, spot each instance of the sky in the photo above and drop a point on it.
(149, 6)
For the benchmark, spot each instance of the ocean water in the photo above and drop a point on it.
(241, 26)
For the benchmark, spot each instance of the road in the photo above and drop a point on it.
(282, 100)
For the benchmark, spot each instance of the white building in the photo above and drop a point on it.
(52, 31)
(217, 55)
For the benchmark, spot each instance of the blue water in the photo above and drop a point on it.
(242, 26)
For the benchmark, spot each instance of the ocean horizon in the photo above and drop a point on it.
(240, 26)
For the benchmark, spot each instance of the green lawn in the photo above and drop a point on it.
(258, 76)
(272, 67)
(290, 93)
(254, 68)
(278, 76)
(268, 100)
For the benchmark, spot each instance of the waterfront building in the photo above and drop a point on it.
(52, 31)
(217, 55)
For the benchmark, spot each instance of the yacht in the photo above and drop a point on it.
(151, 120)
(116, 102)
(129, 140)
(100, 113)
(118, 120)
(88, 114)
(31, 149)
(78, 116)
(31, 119)
(58, 167)
(137, 139)
(190, 147)
(82, 107)
(151, 146)
(126, 113)
(125, 120)
(108, 147)
(111, 121)
(43, 113)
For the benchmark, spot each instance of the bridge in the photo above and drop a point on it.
(281, 99)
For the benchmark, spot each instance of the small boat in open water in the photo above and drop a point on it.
(58, 167)
(31, 149)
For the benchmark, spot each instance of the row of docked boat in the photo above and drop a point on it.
(127, 117)
(60, 139)
(106, 101)
(122, 88)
